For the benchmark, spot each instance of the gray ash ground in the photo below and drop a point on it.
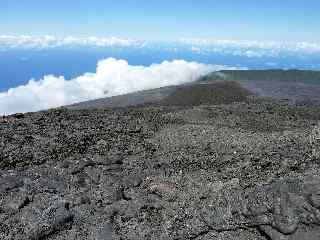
(245, 168)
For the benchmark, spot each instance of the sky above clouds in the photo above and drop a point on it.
(286, 20)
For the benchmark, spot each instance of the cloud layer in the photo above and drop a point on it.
(8, 42)
(199, 46)
(250, 48)
(112, 77)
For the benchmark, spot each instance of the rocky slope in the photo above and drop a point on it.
(198, 163)
(296, 85)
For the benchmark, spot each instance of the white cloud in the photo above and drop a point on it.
(251, 48)
(112, 77)
(44, 42)
(195, 49)
(199, 46)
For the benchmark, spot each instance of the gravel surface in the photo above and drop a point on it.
(233, 167)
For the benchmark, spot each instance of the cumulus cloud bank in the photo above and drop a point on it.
(112, 77)
(200, 46)
(250, 48)
(8, 42)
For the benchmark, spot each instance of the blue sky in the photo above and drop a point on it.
(285, 20)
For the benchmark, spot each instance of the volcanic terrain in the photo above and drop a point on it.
(227, 157)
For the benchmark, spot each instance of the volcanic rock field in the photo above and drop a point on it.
(204, 161)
